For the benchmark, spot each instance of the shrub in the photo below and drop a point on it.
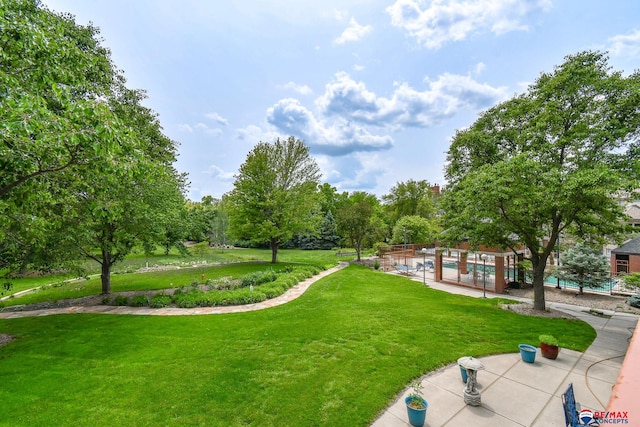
(160, 301)
(140, 301)
(634, 301)
(121, 300)
(258, 278)
(106, 300)
(271, 290)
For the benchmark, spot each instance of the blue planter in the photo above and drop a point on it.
(463, 372)
(416, 416)
(527, 352)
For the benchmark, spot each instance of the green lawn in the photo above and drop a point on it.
(143, 281)
(137, 261)
(336, 356)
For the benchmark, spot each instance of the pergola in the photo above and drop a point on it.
(487, 268)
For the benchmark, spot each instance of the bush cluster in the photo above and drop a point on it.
(267, 284)
(258, 277)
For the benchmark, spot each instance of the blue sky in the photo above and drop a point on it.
(377, 89)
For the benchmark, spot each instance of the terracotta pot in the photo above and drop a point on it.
(549, 351)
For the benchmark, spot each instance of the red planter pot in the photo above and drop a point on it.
(549, 351)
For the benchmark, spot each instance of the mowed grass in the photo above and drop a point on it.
(336, 356)
(213, 256)
(156, 280)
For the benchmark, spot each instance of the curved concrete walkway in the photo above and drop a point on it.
(515, 393)
(289, 295)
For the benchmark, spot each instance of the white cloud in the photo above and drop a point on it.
(479, 68)
(335, 137)
(185, 127)
(625, 44)
(347, 111)
(450, 93)
(255, 134)
(354, 32)
(357, 67)
(301, 89)
(357, 171)
(209, 131)
(217, 118)
(219, 173)
(443, 21)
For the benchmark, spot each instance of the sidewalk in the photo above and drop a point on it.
(515, 393)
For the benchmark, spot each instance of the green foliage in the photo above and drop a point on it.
(160, 301)
(546, 161)
(139, 301)
(411, 198)
(417, 228)
(355, 218)
(584, 266)
(634, 301)
(121, 300)
(549, 339)
(258, 277)
(415, 397)
(85, 165)
(632, 280)
(54, 77)
(274, 194)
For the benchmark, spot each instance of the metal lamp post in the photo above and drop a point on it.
(558, 263)
(405, 246)
(483, 257)
(424, 266)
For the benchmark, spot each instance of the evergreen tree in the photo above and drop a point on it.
(584, 267)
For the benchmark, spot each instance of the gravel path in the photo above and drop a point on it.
(594, 301)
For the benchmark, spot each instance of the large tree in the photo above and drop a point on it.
(275, 194)
(55, 78)
(410, 198)
(545, 161)
(138, 200)
(356, 219)
(415, 229)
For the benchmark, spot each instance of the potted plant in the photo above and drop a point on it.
(527, 352)
(416, 405)
(549, 346)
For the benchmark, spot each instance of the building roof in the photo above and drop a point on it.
(632, 247)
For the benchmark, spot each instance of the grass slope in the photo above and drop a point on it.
(334, 357)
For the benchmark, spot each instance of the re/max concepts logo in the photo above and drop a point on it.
(594, 418)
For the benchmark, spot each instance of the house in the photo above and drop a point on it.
(626, 258)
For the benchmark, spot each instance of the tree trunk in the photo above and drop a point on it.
(358, 247)
(539, 265)
(105, 276)
(274, 251)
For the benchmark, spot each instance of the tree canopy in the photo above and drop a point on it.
(275, 194)
(85, 168)
(547, 161)
(55, 78)
(409, 198)
(356, 218)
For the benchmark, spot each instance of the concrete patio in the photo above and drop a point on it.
(516, 393)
